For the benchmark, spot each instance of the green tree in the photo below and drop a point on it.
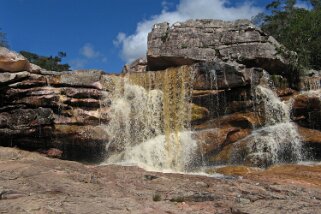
(3, 39)
(297, 29)
(52, 63)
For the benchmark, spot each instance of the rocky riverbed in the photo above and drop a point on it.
(33, 183)
(214, 98)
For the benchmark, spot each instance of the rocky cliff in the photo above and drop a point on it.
(42, 109)
(231, 63)
(233, 71)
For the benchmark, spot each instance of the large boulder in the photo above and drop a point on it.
(139, 65)
(12, 62)
(206, 40)
(306, 110)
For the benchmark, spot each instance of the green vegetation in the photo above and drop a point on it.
(297, 28)
(52, 63)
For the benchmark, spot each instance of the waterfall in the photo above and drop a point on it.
(278, 140)
(150, 123)
(150, 120)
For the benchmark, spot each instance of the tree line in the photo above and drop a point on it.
(298, 29)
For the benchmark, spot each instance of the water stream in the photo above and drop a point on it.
(150, 120)
(150, 124)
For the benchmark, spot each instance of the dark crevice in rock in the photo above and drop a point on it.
(163, 62)
(312, 151)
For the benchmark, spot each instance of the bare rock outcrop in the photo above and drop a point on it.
(12, 62)
(207, 40)
(221, 62)
(36, 184)
(42, 109)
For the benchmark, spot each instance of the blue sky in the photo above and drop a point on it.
(103, 34)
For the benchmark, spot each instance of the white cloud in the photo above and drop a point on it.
(89, 52)
(135, 45)
(304, 5)
(77, 63)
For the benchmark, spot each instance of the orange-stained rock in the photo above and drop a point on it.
(306, 110)
(241, 120)
(30, 181)
(310, 135)
(234, 170)
(54, 153)
(302, 175)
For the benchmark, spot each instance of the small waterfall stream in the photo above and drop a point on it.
(150, 124)
(278, 140)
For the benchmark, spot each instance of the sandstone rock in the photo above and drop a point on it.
(311, 139)
(139, 65)
(234, 170)
(35, 69)
(310, 82)
(34, 80)
(12, 62)
(310, 135)
(185, 43)
(216, 135)
(26, 118)
(306, 110)
(241, 120)
(54, 153)
(8, 78)
(223, 75)
(79, 78)
(79, 116)
(59, 110)
(49, 183)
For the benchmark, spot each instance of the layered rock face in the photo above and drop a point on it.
(42, 109)
(235, 82)
(210, 40)
(229, 60)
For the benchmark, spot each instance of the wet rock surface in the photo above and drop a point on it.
(222, 63)
(31, 183)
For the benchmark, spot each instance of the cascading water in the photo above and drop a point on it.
(278, 140)
(150, 123)
(150, 120)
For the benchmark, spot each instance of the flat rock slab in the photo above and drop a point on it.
(12, 61)
(185, 43)
(31, 183)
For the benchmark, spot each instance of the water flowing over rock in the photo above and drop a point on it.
(149, 118)
(209, 92)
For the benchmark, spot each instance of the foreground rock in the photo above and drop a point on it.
(31, 183)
